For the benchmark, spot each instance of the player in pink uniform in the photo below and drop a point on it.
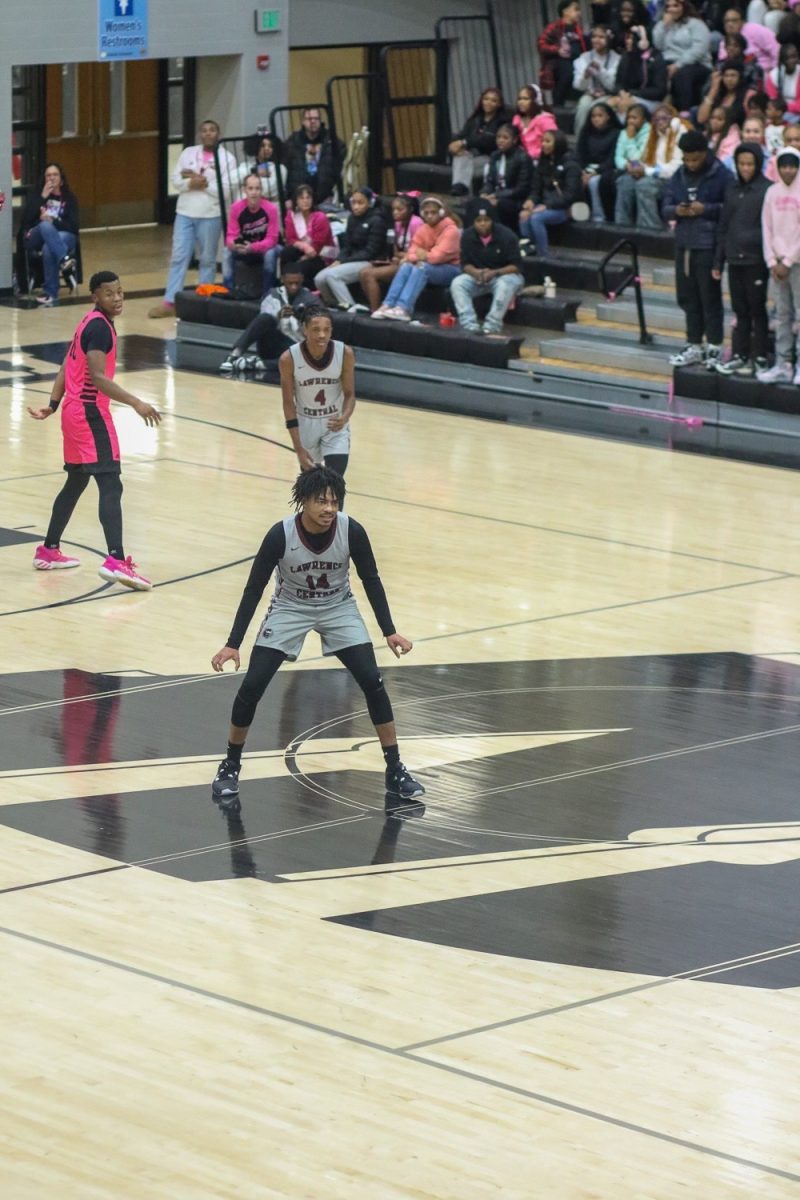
(85, 384)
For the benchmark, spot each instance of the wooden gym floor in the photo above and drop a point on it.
(574, 974)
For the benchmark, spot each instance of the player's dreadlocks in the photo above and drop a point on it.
(315, 310)
(317, 482)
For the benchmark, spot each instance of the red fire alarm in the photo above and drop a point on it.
(262, 62)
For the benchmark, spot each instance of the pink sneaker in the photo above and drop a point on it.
(52, 560)
(117, 570)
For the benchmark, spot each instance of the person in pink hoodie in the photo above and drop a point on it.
(252, 235)
(780, 224)
(532, 119)
(433, 257)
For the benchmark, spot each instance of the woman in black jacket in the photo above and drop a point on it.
(597, 142)
(556, 187)
(50, 224)
(740, 245)
(508, 177)
(363, 241)
(473, 144)
(641, 74)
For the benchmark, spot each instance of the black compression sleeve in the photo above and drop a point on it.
(97, 336)
(272, 548)
(364, 562)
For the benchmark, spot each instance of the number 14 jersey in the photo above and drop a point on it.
(318, 396)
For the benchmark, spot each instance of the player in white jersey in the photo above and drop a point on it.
(311, 553)
(318, 389)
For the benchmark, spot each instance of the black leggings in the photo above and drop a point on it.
(337, 462)
(109, 486)
(264, 331)
(750, 337)
(264, 662)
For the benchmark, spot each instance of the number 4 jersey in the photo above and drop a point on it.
(318, 396)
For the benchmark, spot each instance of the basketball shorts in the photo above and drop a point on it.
(90, 439)
(339, 625)
(328, 442)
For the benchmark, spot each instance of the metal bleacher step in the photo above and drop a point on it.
(658, 315)
(599, 349)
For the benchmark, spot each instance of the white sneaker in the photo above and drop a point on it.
(688, 355)
(398, 314)
(780, 373)
(381, 313)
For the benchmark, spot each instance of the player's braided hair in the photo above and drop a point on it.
(315, 310)
(316, 482)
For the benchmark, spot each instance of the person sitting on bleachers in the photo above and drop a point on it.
(684, 40)
(594, 73)
(641, 74)
(784, 80)
(252, 236)
(508, 176)
(307, 234)
(50, 224)
(406, 221)
(760, 41)
(555, 188)
(776, 123)
(595, 154)
(752, 131)
(433, 257)
(722, 133)
(490, 263)
(736, 51)
(639, 189)
(363, 241)
(268, 167)
(473, 144)
(630, 15)
(532, 119)
(628, 156)
(313, 157)
(277, 326)
(769, 14)
(726, 88)
(560, 43)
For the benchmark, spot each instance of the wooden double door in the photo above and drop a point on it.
(103, 128)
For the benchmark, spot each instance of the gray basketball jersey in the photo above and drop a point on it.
(311, 577)
(318, 394)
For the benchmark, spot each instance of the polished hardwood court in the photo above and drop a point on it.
(571, 971)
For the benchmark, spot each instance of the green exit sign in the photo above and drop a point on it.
(268, 20)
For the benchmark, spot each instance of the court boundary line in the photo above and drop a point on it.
(551, 1102)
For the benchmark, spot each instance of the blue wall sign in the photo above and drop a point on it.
(122, 29)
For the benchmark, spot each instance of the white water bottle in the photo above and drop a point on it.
(549, 288)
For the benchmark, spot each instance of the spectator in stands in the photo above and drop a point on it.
(725, 88)
(472, 145)
(406, 222)
(740, 245)
(630, 15)
(789, 29)
(198, 217)
(641, 74)
(508, 176)
(780, 224)
(784, 80)
(313, 157)
(277, 326)
(308, 237)
(752, 131)
(736, 51)
(594, 73)
(50, 224)
(595, 154)
(268, 167)
(433, 257)
(532, 119)
(629, 150)
(363, 241)
(776, 123)
(684, 41)
(722, 134)
(560, 43)
(693, 200)
(252, 235)
(555, 188)
(641, 186)
(791, 140)
(760, 41)
(490, 263)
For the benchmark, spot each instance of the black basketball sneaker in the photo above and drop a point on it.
(226, 781)
(400, 782)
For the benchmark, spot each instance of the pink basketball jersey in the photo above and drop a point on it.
(79, 388)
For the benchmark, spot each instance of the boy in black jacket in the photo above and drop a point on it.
(740, 245)
(363, 241)
(693, 200)
(490, 262)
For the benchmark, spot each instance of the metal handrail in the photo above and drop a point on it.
(633, 277)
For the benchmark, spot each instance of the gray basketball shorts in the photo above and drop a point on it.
(319, 442)
(339, 625)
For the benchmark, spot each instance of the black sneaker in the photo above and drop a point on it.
(400, 782)
(226, 781)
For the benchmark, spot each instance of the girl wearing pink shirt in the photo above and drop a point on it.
(532, 119)
(406, 222)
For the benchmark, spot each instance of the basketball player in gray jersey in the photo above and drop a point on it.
(311, 553)
(318, 390)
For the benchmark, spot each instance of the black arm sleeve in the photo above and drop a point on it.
(367, 568)
(272, 548)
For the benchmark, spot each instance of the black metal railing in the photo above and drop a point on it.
(414, 124)
(624, 281)
(358, 106)
(288, 119)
